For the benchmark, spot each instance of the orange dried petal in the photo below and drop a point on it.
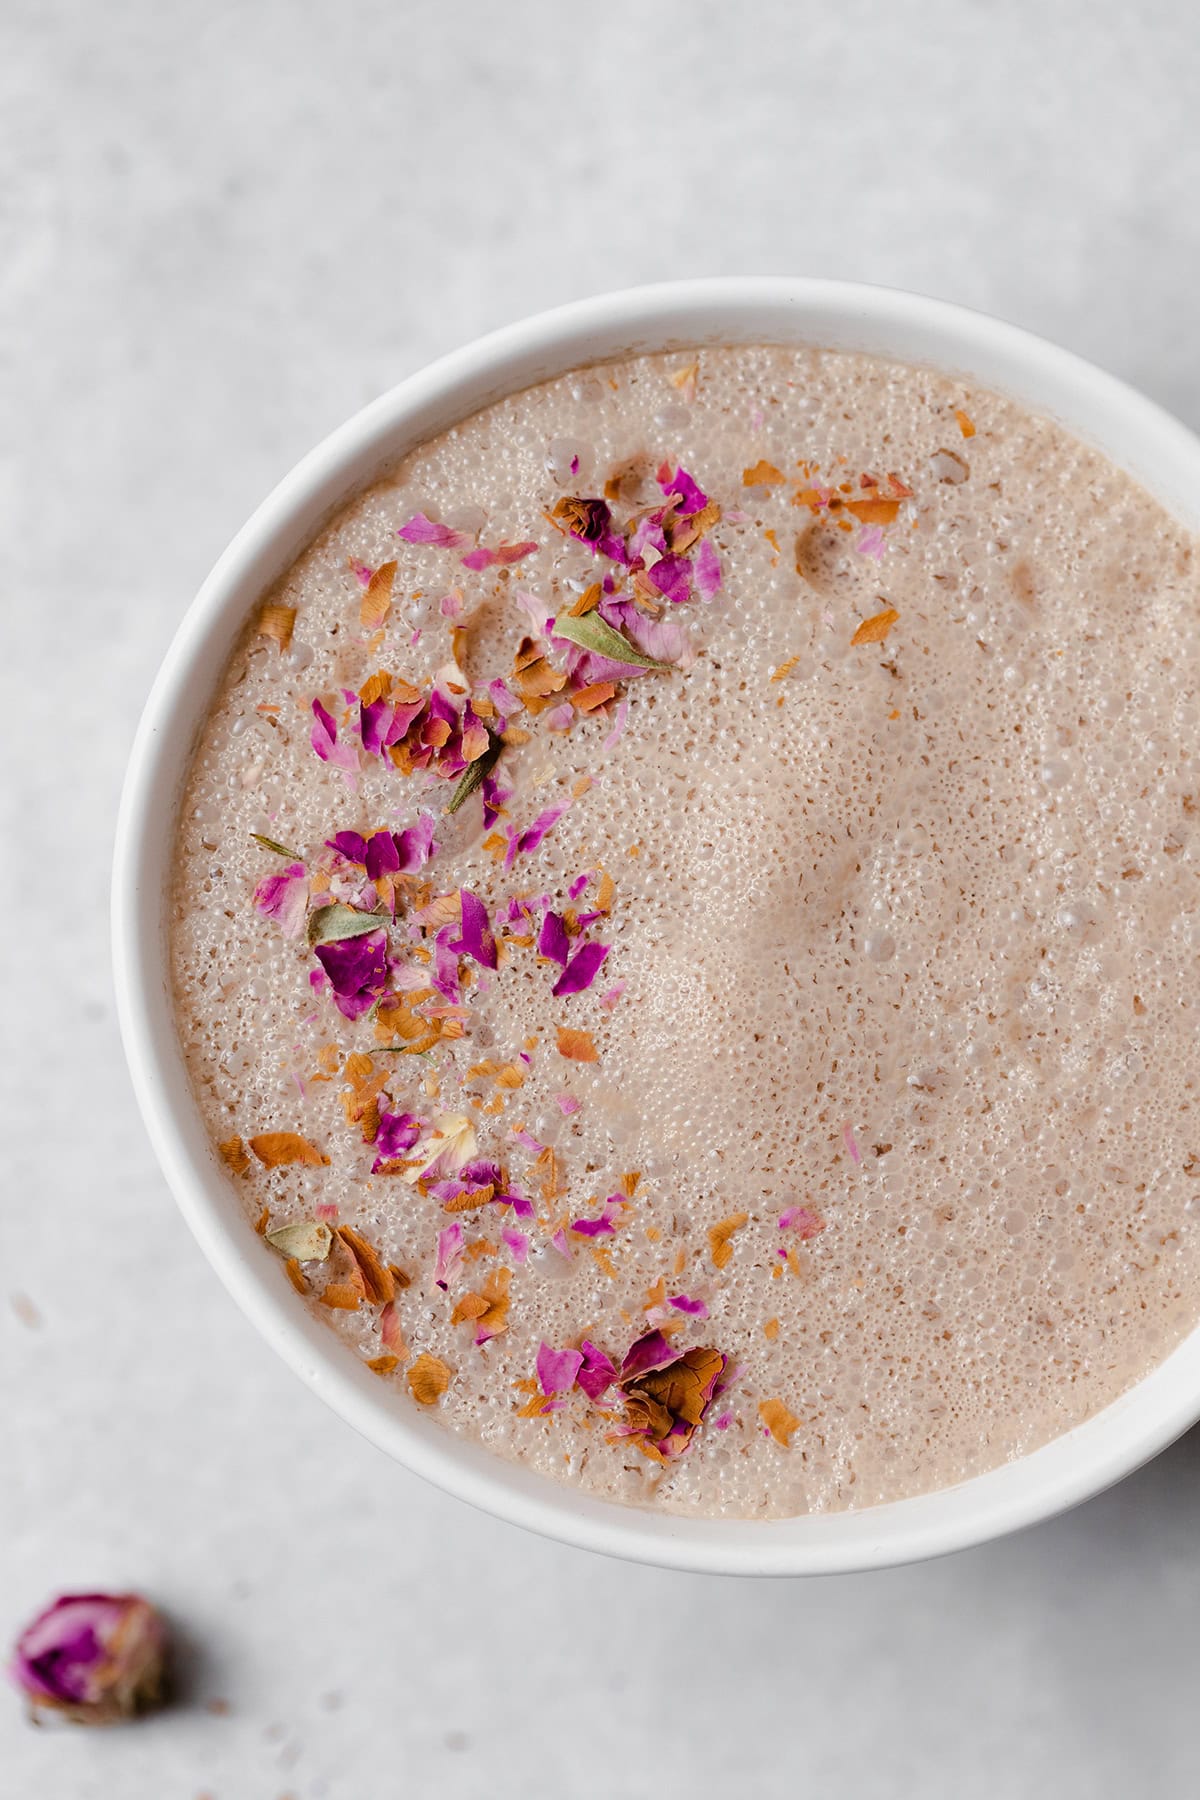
(296, 1275)
(377, 1278)
(377, 600)
(965, 424)
(873, 511)
(233, 1155)
(577, 1046)
(469, 1306)
(428, 1379)
(720, 1248)
(341, 1296)
(779, 1421)
(278, 622)
(276, 1148)
(875, 630)
(390, 1331)
(597, 693)
(587, 602)
(762, 474)
(375, 687)
(383, 1365)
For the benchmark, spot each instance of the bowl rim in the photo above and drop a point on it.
(1130, 428)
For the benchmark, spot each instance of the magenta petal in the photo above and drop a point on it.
(284, 898)
(324, 732)
(504, 701)
(445, 965)
(494, 797)
(416, 845)
(357, 971)
(505, 554)
(581, 971)
(449, 1255)
(382, 856)
(403, 716)
(397, 1133)
(350, 844)
(672, 577)
(529, 839)
(553, 941)
(517, 1242)
(692, 498)
(324, 740)
(707, 570)
(476, 939)
(653, 1351)
(373, 721)
(684, 1303)
(803, 1220)
(557, 1369)
(597, 1374)
(422, 530)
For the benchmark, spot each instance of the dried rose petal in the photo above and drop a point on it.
(357, 971)
(529, 839)
(517, 1242)
(606, 1221)
(553, 942)
(597, 1373)
(581, 971)
(449, 1255)
(422, 530)
(494, 797)
(557, 1369)
(382, 856)
(707, 572)
(686, 1303)
(671, 575)
(93, 1658)
(477, 938)
(350, 844)
(284, 898)
(504, 554)
(325, 742)
(803, 1220)
(397, 1133)
(691, 498)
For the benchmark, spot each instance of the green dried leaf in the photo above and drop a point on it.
(279, 849)
(308, 1241)
(474, 774)
(333, 924)
(591, 633)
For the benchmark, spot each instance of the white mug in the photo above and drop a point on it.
(1135, 434)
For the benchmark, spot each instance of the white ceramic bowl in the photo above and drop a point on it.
(1133, 432)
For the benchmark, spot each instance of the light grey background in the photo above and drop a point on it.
(222, 228)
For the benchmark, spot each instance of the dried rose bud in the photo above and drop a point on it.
(93, 1658)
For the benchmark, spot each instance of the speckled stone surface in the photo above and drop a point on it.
(223, 228)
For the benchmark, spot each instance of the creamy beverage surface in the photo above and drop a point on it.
(857, 1151)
